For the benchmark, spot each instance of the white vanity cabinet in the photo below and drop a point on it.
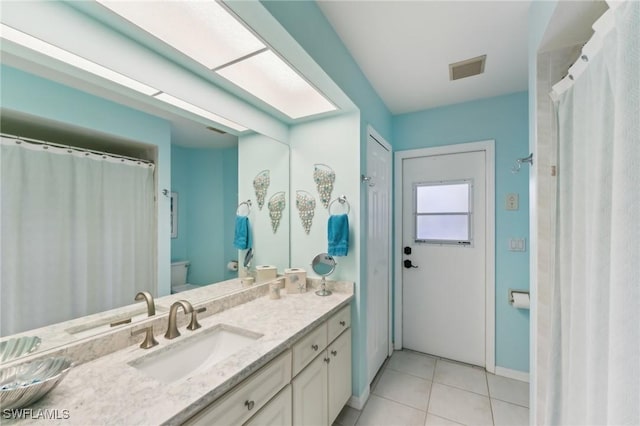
(323, 385)
(305, 386)
(276, 413)
(242, 402)
(310, 394)
(339, 353)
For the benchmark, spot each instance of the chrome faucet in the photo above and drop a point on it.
(151, 306)
(172, 329)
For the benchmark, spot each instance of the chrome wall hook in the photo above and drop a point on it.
(367, 179)
(516, 167)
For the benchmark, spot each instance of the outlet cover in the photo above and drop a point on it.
(511, 201)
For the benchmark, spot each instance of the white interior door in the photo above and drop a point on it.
(378, 252)
(443, 277)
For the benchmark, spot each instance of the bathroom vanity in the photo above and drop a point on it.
(292, 365)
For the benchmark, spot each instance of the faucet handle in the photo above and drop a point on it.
(149, 341)
(194, 324)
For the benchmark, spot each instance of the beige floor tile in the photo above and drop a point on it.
(404, 388)
(433, 420)
(459, 405)
(461, 376)
(509, 390)
(506, 414)
(382, 412)
(413, 363)
(348, 416)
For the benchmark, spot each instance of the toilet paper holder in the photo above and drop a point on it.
(511, 291)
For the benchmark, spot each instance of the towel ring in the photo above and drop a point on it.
(343, 201)
(244, 203)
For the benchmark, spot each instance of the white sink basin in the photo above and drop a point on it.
(192, 355)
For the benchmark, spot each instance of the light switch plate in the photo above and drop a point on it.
(511, 201)
(517, 244)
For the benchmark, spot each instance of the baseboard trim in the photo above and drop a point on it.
(512, 374)
(359, 402)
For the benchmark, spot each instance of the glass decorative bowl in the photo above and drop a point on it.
(23, 384)
(18, 347)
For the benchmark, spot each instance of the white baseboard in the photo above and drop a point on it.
(512, 374)
(358, 402)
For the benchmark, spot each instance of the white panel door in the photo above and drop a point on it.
(378, 253)
(444, 289)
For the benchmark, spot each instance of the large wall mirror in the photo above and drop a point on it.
(211, 173)
(207, 181)
(215, 146)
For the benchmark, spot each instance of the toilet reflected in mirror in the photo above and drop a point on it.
(323, 265)
(179, 272)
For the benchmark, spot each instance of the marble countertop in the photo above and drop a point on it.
(110, 391)
(56, 335)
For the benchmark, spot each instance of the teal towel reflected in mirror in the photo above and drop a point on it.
(338, 235)
(242, 236)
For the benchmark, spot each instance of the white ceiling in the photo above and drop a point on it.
(405, 47)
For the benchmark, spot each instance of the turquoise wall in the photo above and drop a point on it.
(180, 184)
(505, 120)
(307, 24)
(29, 94)
(206, 181)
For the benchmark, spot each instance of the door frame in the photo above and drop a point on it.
(371, 132)
(488, 146)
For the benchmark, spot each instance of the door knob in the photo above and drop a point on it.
(407, 250)
(408, 264)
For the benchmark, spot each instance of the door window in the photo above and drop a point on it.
(443, 212)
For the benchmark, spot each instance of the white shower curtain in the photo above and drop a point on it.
(77, 234)
(595, 340)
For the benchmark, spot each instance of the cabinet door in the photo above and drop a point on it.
(276, 413)
(239, 404)
(310, 394)
(339, 374)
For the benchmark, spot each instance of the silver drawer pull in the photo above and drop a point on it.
(249, 404)
(343, 323)
(327, 360)
(334, 353)
(314, 347)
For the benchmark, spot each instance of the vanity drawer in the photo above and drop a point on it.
(306, 349)
(243, 401)
(339, 323)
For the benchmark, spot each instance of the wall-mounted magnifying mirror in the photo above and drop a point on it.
(323, 265)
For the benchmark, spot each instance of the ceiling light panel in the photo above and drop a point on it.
(37, 45)
(272, 80)
(202, 30)
(199, 111)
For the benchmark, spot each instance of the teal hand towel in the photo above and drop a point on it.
(338, 233)
(242, 237)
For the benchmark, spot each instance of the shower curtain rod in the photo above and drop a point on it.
(41, 142)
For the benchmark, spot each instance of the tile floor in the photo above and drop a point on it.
(417, 389)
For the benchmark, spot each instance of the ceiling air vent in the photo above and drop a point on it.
(213, 129)
(467, 68)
